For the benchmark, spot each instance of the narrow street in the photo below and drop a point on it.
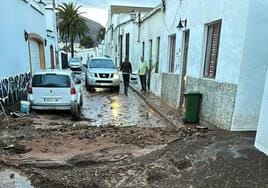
(121, 142)
(105, 108)
(113, 127)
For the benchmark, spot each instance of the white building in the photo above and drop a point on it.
(216, 49)
(28, 41)
(262, 133)
(52, 46)
(122, 34)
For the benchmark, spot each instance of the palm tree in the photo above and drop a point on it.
(71, 23)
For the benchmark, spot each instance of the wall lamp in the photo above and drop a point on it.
(134, 16)
(182, 24)
(26, 35)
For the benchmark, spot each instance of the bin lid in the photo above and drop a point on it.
(192, 93)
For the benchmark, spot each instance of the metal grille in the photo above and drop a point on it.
(104, 75)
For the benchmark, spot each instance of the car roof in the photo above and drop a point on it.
(55, 71)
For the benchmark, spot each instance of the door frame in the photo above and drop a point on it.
(40, 41)
(185, 44)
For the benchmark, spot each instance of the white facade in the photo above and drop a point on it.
(262, 133)
(24, 37)
(119, 26)
(18, 16)
(52, 47)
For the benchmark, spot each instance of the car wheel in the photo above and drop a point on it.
(76, 112)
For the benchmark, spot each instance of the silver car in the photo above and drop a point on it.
(102, 73)
(75, 63)
(56, 90)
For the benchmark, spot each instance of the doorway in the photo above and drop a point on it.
(127, 47)
(52, 57)
(150, 62)
(186, 37)
(121, 49)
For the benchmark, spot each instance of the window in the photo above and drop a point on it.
(172, 51)
(101, 63)
(51, 80)
(157, 55)
(150, 54)
(212, 47)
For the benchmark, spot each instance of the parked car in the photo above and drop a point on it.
(102, 73)
(56, 90)
(75, 63)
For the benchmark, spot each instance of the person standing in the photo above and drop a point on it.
(142, 70)
(126, 69)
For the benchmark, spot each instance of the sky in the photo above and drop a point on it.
(97, 10)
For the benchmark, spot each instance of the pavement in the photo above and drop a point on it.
(169, 114)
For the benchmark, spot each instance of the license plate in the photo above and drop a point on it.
(49, 100)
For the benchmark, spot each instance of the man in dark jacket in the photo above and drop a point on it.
(126, 69)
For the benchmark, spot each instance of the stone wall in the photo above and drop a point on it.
(13, 89)
(170, 89)
(218, 101)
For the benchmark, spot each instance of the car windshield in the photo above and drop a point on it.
(51, 80)
(101, 63)
(74, 60)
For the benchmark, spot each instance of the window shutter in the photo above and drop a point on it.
(214, 50)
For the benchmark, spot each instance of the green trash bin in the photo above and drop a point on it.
(192, 107)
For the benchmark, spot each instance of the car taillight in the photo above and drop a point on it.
(73, 92)
(30, 88)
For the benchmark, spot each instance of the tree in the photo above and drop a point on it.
(101, 34)
(71, 23)
(86, 42)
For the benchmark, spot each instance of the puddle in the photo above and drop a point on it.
(107, 108)
(12, 179)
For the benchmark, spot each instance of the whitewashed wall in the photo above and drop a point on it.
(253, 70)
(261, 141)
(152, 28)
(17, 16)
(51, 34)
(201, 12)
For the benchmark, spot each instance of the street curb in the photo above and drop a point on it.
(155, 109)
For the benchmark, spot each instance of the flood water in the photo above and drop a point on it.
(106, 108)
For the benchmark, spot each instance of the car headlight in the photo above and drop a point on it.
(116, 76)
(91, 74)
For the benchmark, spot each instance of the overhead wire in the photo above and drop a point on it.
(173, 22)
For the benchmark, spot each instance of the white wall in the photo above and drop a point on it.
(261, 142)
(234, 22)
(253, 70)
(17, 16)
(51, 37)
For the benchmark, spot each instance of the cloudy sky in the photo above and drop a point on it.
(97, 9)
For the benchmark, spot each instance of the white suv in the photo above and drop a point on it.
(101, 72)
(56, 90)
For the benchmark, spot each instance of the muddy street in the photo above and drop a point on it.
(104, 107)
(121, 142)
